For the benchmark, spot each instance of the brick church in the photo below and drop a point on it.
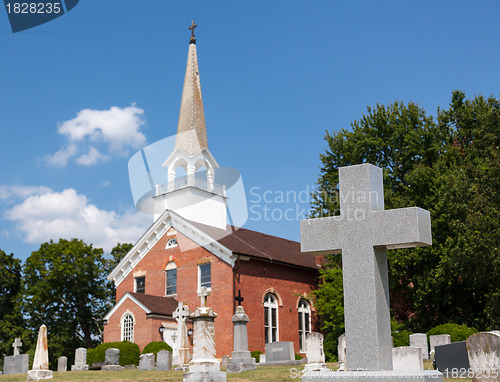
(191, 245)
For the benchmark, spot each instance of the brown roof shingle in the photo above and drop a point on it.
(163, 306)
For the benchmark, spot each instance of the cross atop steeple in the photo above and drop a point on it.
(191, 28)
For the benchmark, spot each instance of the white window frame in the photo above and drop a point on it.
(124, 327)
(199, 276)
(303, 320)
(171, 243)
(269, 306)
(135, 283)
(170, 266)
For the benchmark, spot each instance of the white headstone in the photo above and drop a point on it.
(407, 358)
(181, 350)
(314, 353)
(147, 361)
(164, 360)
(62, 364)
(419, 340)
(41, 362)
(438, 340)
(17, 345)
(80, 360)
(484, 356)
(362, 233)
(341, 352)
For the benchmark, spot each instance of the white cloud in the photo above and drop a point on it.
(116, 130)
(9, 192)
(67, 214)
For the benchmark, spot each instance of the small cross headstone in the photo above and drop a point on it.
(17, 345)
(239, 298)
(362, 234)
(203, 294)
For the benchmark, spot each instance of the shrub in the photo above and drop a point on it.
(401, 338)
(256, 354)
(155, 347)
(298, 356)
(456, 332)
(129, 353)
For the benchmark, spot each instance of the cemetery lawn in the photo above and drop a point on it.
(267, 373)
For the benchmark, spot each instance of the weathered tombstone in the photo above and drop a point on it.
(62, 364)
(241, 358)
(147, 361)
(80, 360)
(41, 362)
(314, 353)
(419, 340)
(112, 360)
(341, 353)
(407, 358)
(204, 366)
(280, 351)
(362, 233)
(16, 364)
(451, 357)
(224, 362)
(262, 358)
(181, 349)
(438, 340)
(484, 356)
(163, 360)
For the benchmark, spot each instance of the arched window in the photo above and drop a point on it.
(171, 278)
(128, 327)
(171, 243)
(304, 323)
(270, 318)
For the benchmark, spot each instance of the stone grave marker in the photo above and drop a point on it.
(224, 362)
(451, 356)
(147, 361)
(280, 351)
(341, 352)
(112, 360)
(16, 364)
(262, 358)
(164, 360)
(438, 340)
(17, 345)
(314, 353)
(181, 349)
(41, 362)
(241, 358)
(419, 340)
(362, 234)
(484, 356)
(62, 364)
(407, 358)
(80, 360)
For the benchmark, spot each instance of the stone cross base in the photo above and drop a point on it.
(207, 376)
(237, 365)
(310, 367)
(112, 368)
(373, 376)
(36, 375)
(79, 368)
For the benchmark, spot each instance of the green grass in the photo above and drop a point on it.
(266, 373)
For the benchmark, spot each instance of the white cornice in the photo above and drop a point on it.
(121, 301)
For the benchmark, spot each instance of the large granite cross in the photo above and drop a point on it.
(362, 233)
(17, 345)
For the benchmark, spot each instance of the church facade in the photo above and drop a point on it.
(190, 246)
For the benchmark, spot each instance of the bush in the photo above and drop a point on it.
(298, 356)
(456, 332)
(256, 354)
(155, 347)
(129, 353)
(401, 338)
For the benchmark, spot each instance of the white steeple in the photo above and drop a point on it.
(195, 197)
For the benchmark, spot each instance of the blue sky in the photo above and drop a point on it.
(275, 76)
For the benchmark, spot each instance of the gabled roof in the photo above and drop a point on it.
(163, 306)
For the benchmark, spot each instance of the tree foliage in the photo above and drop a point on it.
(448, 165)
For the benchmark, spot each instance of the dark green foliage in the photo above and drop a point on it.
(256, 354)
(456, 332)
(129, 353)
(155, 347)
(298, 356)
(402, 338)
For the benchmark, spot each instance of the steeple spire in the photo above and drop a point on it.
(191, 130)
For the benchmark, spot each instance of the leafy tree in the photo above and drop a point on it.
(117, 254)
(65, 289)
(448, 165)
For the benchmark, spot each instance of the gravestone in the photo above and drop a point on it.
(341, 353)
(419, 340)
(407, 358)
(262, 358)
(62, 364)
(280, 351)
(451, 356)
(181, 349)
(484, 356)
(224, 362)
(438, 340)
(314, 353)
(362, 234)
(112, 360)
(204, 366)
(241, 358)
(147, 361)
(16, 364)
(17, 345)
(41, 362)
(80, 360)
(163, 360)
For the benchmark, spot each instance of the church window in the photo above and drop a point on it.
(171, 243)
(270, 318)
(140, 284)
(171, 277)
(204, 276)
(128, 328)
(304, 323)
